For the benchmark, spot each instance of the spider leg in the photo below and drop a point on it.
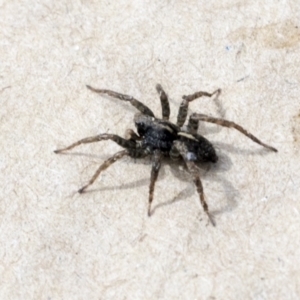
(196, 179)
(156, 163)
(182, 113)
(229, 124)
(164, 102)
(117, 139)
(137, 104)
(103, 167)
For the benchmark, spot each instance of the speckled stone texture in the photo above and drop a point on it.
(58, 244)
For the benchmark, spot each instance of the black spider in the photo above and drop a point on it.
(159, 137)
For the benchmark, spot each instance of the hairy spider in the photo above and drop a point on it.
(159, 137)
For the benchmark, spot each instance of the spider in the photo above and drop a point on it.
(159, 138)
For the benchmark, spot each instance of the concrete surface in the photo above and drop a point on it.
(57, 244)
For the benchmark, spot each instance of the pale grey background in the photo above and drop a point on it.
(57, 244)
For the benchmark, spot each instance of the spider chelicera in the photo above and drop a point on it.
(159, 137)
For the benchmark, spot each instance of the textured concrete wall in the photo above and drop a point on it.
(58, 244)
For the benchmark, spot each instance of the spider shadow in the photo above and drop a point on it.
(179, 171)
(213, 173)
(209, 171)
(101, 158)
(238, 151)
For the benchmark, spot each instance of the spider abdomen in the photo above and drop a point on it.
(199, 148)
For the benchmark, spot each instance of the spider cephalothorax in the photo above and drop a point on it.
(159, 137)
